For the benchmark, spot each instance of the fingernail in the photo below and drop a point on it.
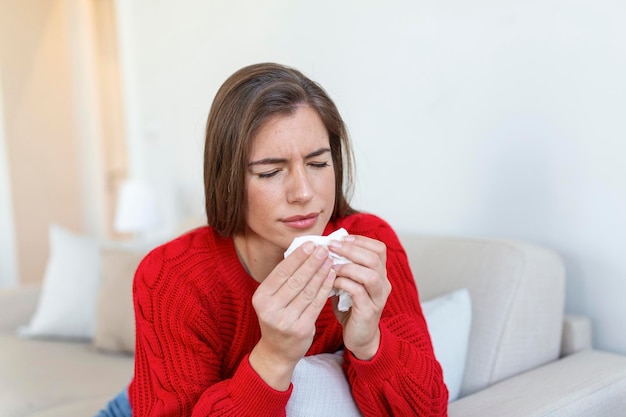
(308, 247)
(335, 244)
(348, 238)
(321, 252)
(331, 275)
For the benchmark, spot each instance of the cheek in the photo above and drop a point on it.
(326, 184)
(261, 199)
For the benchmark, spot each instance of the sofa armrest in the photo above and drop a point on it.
(576, 334)
(588, 383)
(17, 305)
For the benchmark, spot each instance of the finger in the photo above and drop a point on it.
(312, 311)
(375, 284)
(299, 282)
(310, 293)
(361, 299)
(287, 267)
(365, 242)
(361, 250)
(370, 278)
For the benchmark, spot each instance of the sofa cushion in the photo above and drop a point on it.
(589, 383)
(21, 302)
(517, 293)
(115, 317)
(40, 374)
(85, 408)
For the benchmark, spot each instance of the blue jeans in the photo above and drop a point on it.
(118, 406)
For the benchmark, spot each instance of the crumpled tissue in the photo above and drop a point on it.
(345, 300)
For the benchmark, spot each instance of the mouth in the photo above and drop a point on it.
(301, 221)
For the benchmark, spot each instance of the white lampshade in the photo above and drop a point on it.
(137, 210)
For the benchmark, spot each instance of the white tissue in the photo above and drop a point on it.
(345, 300)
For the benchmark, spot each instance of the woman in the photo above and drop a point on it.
(223, 318)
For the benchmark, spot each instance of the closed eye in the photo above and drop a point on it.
(268, 174)
(319, 164)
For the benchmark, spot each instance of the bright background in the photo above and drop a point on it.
(492, 118)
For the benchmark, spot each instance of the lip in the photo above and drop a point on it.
(302, 221)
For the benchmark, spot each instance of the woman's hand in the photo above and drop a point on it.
(287, 304)
(366, 281)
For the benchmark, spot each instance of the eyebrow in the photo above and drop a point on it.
(272, 161)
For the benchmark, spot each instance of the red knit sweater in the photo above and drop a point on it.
(196, 326)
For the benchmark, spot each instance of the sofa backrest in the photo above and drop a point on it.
(517, 292)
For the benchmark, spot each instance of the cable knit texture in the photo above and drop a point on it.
(196, 326)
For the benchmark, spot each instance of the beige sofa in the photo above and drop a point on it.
(524, 357)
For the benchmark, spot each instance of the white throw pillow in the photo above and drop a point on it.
(320, 388)
(66, 306)
(449, 319)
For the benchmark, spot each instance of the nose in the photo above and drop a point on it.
(299, 188)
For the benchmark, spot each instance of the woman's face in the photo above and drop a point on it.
(290, 181)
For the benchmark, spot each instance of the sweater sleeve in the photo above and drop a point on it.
(245, 394)
(178, 369)
(404, 377)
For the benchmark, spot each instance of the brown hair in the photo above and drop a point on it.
(247, 99)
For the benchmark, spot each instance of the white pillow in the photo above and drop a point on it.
(67, 304)
(449, 319)
(320, 388)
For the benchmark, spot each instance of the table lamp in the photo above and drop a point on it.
(137, 210)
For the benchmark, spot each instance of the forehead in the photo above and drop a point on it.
(299, 132)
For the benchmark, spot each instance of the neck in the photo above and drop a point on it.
(257, 259)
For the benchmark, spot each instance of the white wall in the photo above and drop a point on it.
(8, 257)
(492, 118)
